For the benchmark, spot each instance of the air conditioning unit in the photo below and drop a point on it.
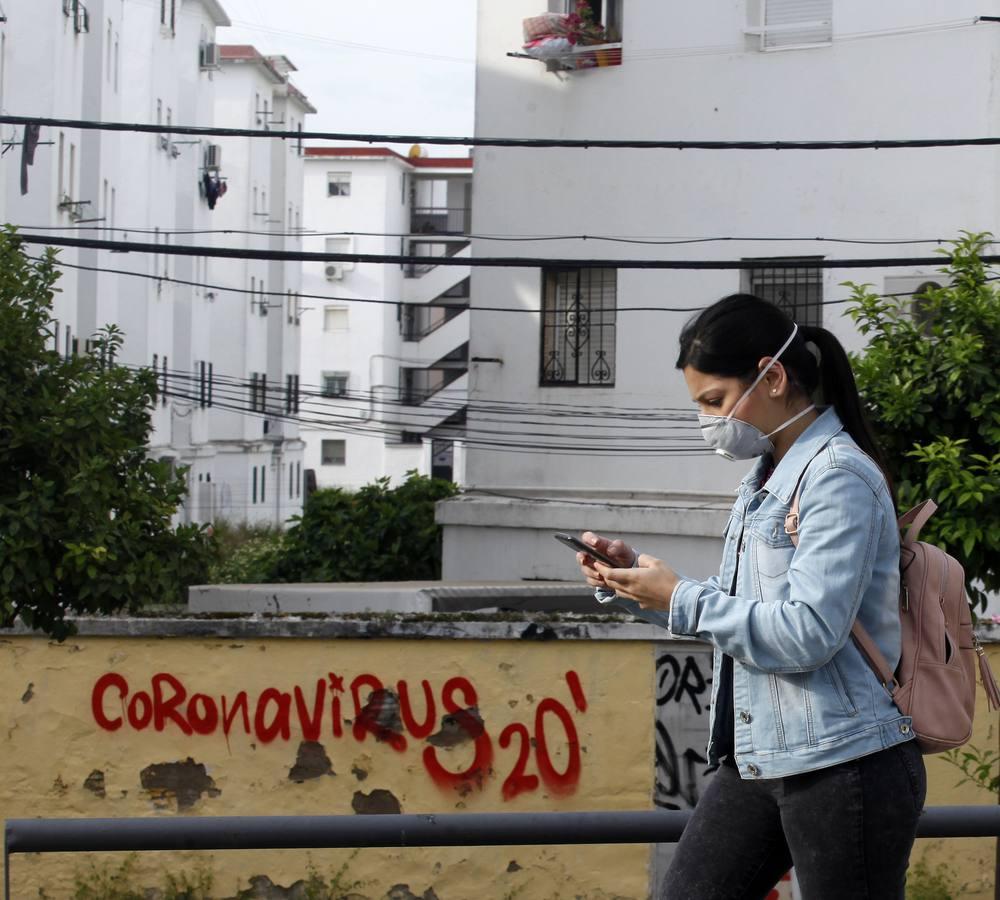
(213, 155)
(210, 56)
(334, 271)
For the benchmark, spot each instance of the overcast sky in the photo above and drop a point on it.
(379, 66)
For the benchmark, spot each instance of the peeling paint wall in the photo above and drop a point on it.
(148, 724)
(143, 726)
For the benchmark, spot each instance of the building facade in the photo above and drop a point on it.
(578, 361)
(105, 60)
(384, 347)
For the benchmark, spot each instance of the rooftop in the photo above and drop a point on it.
(275, 67)
(418, 162)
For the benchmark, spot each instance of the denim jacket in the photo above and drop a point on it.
(803, 695)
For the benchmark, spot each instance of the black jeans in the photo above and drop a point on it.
(847, 829)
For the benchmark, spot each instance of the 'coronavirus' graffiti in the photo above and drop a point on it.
(332, 707)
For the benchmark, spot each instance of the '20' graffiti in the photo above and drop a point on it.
(387, 715)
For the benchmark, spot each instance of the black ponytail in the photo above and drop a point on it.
(730, 337)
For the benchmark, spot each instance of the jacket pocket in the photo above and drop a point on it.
(835, 678)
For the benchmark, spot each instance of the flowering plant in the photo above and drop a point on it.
(589, 30)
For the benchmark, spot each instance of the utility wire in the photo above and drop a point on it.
(536, 143)
(518, 238)
(501, 262)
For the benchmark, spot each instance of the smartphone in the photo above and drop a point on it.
(576, 544)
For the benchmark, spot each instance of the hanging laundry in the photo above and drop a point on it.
(213, 189)
(31, 134)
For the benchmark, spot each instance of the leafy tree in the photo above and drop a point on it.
(377, 533)
(930, 380)
(85, 514)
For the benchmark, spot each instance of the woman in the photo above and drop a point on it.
(816, 766)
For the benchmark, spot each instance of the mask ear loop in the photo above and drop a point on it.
(764, 371)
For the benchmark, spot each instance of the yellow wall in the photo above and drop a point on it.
(971, 860)
(51, 745)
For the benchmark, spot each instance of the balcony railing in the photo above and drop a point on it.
(448, 830)
(418, 321)
(433, 249)
(445, 220)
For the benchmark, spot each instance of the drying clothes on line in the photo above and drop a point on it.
(31, 134)
(214, 188)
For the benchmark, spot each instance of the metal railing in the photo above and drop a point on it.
(449, 830)
(453, 220)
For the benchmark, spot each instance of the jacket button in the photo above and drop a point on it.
(745, 717)
(904, 728)
(753, 770)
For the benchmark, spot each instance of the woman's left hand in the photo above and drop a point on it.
(650, 583)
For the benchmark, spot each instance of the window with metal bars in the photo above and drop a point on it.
(291, 393)
(579, 310)
(798, 290)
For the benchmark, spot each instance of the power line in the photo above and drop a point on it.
(489, 261)
(536, 143)
(517, 238)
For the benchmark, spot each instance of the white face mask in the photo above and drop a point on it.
(735, 439)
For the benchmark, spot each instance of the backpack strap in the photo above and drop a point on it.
(911, 522)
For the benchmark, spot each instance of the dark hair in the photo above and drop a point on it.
(730, 337)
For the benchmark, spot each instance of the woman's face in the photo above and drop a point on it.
(717, 395)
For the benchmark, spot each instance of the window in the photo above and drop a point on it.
(72, 171)
(785, 24)
(168, 14)
(298, 479)
(254, 495)
(606, 12)
(291, 482)
(798, 291)
(117, 62)
(291, 393)
(338, 184)
(62, 166)
(579, 309)
(258, 392)
(334, 453)
(107, 53)
(335, 318)
(341, 245)
(263, 481)
(335, 384)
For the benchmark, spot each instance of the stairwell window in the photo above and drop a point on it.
(579, 313)
(791, 24)
(334, 453)
(335, 383)
(796, 289)
(338, 184)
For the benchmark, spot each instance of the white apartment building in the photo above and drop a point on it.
(592, 343)
(254, 351)
(384, 347)
(159, 63)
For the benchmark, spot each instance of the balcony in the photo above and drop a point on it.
(441, 220)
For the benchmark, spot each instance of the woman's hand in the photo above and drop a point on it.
(617, 550)
(651, 583)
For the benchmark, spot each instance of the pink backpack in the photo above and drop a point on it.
(935, 681)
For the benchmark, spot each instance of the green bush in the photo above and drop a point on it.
(377, 533)
(85, 514)
(244, 554)
(930, 380)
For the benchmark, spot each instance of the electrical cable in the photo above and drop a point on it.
(516, 238)
(536, 143)
(501, 262)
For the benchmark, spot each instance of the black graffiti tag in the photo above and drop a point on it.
(675, 680)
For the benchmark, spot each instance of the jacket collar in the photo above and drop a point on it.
(787, 473)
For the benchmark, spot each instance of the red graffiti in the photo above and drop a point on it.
(479, 769)
(550, 746)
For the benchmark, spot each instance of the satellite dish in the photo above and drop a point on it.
(416, 151)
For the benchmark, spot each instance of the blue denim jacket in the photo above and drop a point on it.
(803, 696)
